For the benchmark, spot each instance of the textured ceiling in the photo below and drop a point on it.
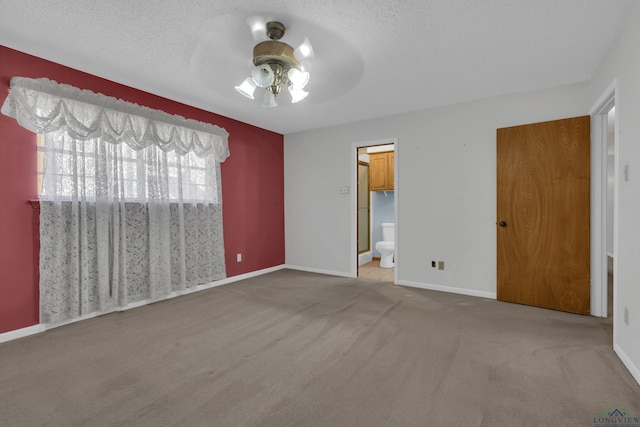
(372, 57)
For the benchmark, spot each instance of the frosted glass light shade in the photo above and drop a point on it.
(262, 75)
(269, 99)
(298, 79)
(247, 88)
(297, 95)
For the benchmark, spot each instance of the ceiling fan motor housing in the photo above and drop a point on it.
(271, 51)
(276, 54)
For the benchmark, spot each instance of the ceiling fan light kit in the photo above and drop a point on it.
(276, 67)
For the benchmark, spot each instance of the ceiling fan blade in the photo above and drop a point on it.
(304, 50)
(258, 26)
(304, 54)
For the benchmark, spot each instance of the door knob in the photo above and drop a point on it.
(502, 224)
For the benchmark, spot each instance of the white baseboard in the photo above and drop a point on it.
(21, 333)
(36, 329)
(240, 277)
(450, 289)
(627, 362)
(318, 270)
(365, 258)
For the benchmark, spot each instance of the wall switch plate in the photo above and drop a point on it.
(440, 265)
(239, 257)
(344, 189)
(626, 316)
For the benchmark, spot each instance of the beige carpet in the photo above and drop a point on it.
(301, 349)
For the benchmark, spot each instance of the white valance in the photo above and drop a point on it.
(43, 106)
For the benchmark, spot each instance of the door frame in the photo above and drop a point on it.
(599, 269)
(354, 201)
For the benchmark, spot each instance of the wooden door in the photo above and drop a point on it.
(543, 214)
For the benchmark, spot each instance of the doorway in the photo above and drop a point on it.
(605, 165)
(610, 190)
(374, 202)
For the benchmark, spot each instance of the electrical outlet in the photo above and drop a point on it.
(239, 257)
(626, 316)
(440, 265)
(433, 264)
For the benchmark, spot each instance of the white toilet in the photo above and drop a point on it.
(387, 245)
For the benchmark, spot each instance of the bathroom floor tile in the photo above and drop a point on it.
(373, 270)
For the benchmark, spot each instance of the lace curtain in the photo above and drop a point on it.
(130, 204)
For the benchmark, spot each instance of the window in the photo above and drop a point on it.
(189, 178)
(130, 202)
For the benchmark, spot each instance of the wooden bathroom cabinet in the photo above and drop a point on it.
(381, 171)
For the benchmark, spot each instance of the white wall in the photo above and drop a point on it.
(623, 63)
(446, 188)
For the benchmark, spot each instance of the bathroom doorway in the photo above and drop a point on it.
(375, 203)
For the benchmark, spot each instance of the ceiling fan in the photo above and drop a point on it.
(276, 68)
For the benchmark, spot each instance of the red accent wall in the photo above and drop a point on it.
(252, 187)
